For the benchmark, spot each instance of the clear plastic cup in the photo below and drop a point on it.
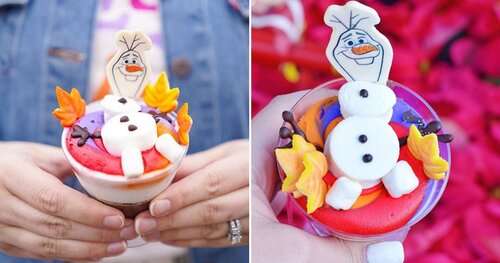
(130, 195)
(292, 213)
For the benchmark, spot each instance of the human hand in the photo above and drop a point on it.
(274, 241)
(44, 219)
(211, 188)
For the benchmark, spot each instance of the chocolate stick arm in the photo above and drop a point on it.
(288, 117)
(446, 138)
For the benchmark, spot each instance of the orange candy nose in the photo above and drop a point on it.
(133, 68)
(360, 50)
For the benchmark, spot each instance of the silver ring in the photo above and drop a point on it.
(234, 235)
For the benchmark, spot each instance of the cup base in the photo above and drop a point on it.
(136, 242)
(129, 210)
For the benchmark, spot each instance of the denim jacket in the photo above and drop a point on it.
(44, 43)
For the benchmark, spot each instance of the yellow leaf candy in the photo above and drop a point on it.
(311, 182)
(160, 95)
(290, 160)
(426, 149)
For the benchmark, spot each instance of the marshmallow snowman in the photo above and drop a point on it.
(363, 150)
(127, 132)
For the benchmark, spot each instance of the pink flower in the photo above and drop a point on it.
(481, 225)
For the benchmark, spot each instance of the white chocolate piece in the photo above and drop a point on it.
(345, 152)
(385, 252)
(169, 148)
(119, 134)
(128, 71)
(343, 193)
(357, 50)
(132, 163)
(401, 180)
(114, 105)
(378, 102)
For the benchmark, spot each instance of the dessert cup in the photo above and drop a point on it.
(130, 195)
(292, 213)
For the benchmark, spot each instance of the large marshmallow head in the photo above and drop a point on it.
(128, 70)
(129, 130)
(365, 99)
(363, 149)
(357, 50)
(114, 105)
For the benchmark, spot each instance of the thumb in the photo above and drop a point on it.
(49, 158)
(52, 160)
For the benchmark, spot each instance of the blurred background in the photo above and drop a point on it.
(448, 51)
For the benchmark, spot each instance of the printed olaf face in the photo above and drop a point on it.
(131, 66)
(128, 71)
(356, 49)
(359, 46)
(362, 149)
(129, 130)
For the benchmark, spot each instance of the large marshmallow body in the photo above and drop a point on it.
(365, 99)
(129, 130)
(127, 135)
(352, 140)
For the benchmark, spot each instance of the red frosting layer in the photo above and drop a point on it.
(99, 159)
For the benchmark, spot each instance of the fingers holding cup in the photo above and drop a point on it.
(216, 179)
(210, 233)
(218, 210)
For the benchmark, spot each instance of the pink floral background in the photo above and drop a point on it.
(448, 51)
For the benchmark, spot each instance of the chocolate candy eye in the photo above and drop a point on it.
(367, 158)
(132, 127)
(124, 119)
(362, 138)
(122, 100)
(363, 93)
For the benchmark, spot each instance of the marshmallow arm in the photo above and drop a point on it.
(132, 164)
(401, 180)
(343, 193)
(169, 148)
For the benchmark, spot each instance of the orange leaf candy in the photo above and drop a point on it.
(185, 122)
(290, 160)
(71, 106)
(311, 182)
(160, 95)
